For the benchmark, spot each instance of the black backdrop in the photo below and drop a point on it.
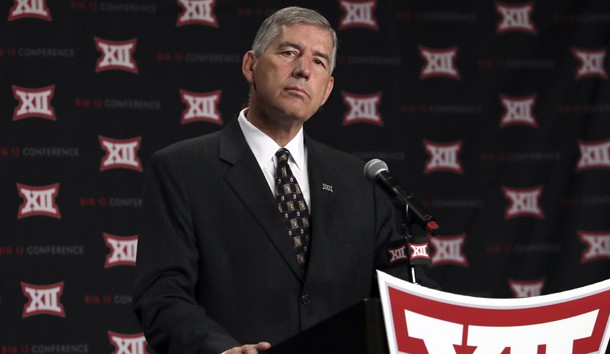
(495, 113)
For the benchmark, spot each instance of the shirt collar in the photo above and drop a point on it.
(264, 148)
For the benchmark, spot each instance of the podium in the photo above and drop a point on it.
(356, 330)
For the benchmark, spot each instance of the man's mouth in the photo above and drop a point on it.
(297, 90)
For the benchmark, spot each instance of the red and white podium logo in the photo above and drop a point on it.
(515, 17)
(43, 299)
(362, 108)
(591, 63)
(123, 250)
(426, 321)
(448, 250)
(518, 111)
(197, 12)
(593, 155)
(201, 107)
(34, 102)
(116, 55)
(38, 201)
(358, 13)
(523, 202)
(128, 343)
(29, 8)
(597, 246)
(120, 153)
(439, 63)
(443, 157)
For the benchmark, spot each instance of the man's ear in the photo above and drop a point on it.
(329, 88)
(247, 66)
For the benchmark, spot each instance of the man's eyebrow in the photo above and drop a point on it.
(289, 44)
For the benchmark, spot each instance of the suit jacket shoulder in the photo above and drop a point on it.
(185, 151)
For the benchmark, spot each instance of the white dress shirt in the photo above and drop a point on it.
(264, 149)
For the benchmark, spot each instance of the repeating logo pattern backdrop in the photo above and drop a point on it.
(496, 114)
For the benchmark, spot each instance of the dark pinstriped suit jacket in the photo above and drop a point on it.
(215, 267)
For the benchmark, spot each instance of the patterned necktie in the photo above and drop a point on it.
(292, 207)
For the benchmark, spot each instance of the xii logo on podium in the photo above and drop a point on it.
(425, 321)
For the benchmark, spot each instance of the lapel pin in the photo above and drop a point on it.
(327, 187)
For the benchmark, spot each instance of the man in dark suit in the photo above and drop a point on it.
(220, 268)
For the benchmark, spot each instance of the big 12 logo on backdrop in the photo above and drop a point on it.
(43, 299)
(29, 9)
(116, 55)
(38, 200)
(358, 13)
(34, 102)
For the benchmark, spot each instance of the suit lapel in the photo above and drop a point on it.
(322, 185)
(247, 180)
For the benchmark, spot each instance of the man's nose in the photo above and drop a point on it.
(302, 67)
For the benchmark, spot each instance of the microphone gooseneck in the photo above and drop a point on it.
(377, 171)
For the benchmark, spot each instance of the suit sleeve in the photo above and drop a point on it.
(166, 270)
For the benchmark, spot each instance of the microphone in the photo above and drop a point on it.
(377, 171)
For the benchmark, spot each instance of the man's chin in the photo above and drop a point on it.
(294, 114)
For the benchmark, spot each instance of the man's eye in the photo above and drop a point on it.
(289, 53)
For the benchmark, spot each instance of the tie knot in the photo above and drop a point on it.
(282, 155)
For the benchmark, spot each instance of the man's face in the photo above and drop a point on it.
(291, 79)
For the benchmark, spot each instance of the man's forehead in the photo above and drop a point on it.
(288, 35)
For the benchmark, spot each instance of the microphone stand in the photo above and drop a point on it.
(416, 247)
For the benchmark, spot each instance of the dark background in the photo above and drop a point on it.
(482, 248)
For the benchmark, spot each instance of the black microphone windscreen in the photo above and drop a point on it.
(373, 167)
